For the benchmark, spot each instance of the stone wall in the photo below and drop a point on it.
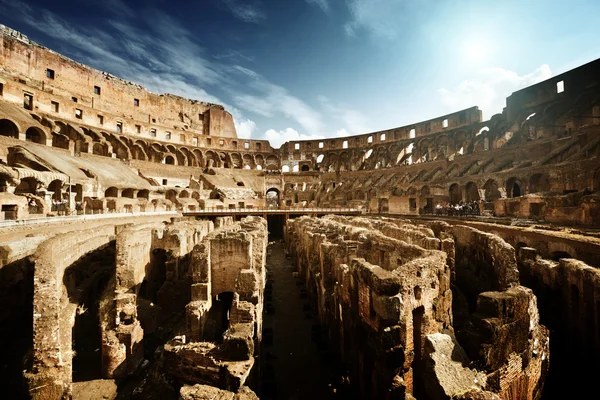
(393, 307)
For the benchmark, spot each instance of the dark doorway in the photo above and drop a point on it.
(275, 225)
(85, 281)
(417, 364)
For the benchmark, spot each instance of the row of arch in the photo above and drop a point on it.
(84, 140)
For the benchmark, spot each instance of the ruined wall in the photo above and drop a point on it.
(568, 293)
(394, 307)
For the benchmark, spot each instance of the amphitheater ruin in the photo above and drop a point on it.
(147, 252)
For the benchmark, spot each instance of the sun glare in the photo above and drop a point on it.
(476, 51)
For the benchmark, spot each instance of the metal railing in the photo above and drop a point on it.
(273, 210)
(78, 217)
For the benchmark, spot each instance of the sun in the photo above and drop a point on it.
(476, 51)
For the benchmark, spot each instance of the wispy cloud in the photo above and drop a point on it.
(246, 12)
(382, 18)
(323, 4)
(490, 89)
(270, 100)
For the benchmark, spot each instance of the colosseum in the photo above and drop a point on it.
(147, 252)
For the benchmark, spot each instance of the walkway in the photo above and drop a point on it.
(296, 362)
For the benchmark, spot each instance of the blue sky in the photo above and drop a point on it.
(290, 69)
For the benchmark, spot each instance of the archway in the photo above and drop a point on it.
(143, 194)
(471, 192)
(8, 128)
(111, 192)
(127, 193)
(27, 185)
(514, 188)
(56, 187)
(272, 197)
(491, 190)
(35, 135)
(305, 168)
(170, 160)
(454, 194)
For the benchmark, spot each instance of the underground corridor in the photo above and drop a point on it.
(297, 361)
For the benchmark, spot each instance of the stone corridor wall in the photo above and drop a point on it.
(412, 320)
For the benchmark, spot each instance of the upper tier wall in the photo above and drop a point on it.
(55, 78)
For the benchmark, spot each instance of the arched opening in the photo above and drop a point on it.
(305, 168)
(491, 190)
(143, 194)
(27, 185)
(471, 192)
(127, 193)
(539, 183)
(169, 160)
(184, 194)
(35, 135)
(4, 179)
(285, 168)
(8, 128)
(60, 141)
(272, 198)
(111, 192)
(84, 282)
(454, 194)
(514, 188)
(56, 187)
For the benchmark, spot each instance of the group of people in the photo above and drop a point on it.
(461, 208)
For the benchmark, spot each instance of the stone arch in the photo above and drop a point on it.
(143, 194)
(199, 158)
(491, 190)
(272, 160)
(514, 188)
(212, 160)
(471, 192)
(170, 160)
(273, 198)
(56, 188)
(100, 149)
(28, 185)
(9, 128)
(35, 135)
(305, 168)
(127, 193)
(454, 193)
(111, 192)
(60, 141)
(184, 194)
(189, 157)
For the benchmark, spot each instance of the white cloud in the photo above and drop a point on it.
(272, 100)
(490, 88)
(277, 138)
(245, 128)
(245, 12)
(324, 4)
